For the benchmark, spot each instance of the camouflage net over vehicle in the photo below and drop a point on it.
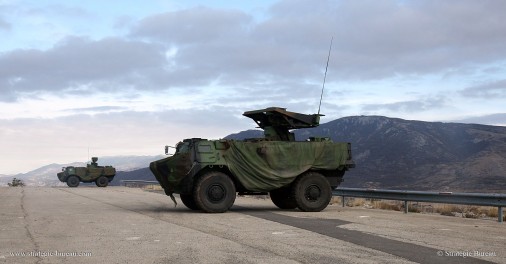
(270, 165)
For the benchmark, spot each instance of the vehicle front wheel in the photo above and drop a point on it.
(102, 181)
(283, 198)
(312, 192)
(189, 201)
(214, 192)
(73, 181)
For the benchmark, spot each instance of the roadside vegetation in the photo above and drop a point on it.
(465, 211)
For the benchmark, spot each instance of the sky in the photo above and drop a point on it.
(110, 78)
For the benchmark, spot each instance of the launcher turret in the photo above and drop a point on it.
(277, 122)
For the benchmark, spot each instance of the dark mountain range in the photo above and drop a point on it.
(143, 174)
(414, 155)
(390, 153)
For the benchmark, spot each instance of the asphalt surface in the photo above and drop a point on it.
(127, 225)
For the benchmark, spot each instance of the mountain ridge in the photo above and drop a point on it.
(394, 153)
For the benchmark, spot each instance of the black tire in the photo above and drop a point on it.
(102, 181)
(188, 201)
(214, 192)
(73, 181)
(312, 192)
(283, 198)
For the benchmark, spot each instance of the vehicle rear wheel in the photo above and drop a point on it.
(73, 181)
(312, 192)
(188, 201)
(102, 181)
(283, 198)
(214, 192)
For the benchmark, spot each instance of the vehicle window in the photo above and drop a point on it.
(204, 148)
(182, 147)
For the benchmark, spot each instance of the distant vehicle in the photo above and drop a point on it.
(101, 175)
(207, 174)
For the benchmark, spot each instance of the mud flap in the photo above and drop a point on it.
(173, 199)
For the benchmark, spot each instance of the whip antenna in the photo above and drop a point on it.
(325, 76)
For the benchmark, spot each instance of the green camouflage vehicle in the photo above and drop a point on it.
(101, 175)
(207, 174)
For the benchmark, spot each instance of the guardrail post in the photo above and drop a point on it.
(343, 200)
(406, 207)
(499, 213)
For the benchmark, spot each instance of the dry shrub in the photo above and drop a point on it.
(357, 202)
(336, 200)
(467, 211)
(447, 213)
(414, 208)
(395, 206)
(492, 212)
(448, 210)
(349, 201)
(154, 187)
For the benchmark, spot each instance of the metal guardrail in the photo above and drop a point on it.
(482, 199)
(139, 182)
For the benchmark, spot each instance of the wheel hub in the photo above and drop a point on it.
(312, 193)
(216, 193)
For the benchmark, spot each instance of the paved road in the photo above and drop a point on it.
(127, 225)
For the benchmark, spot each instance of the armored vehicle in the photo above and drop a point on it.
(207, 174)
(101, 175)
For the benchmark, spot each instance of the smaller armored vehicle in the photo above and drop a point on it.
(101, 175)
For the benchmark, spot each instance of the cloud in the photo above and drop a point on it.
(62, 10)
(415, 37)
(495, 89)
(498, 119)
(96, 109)
(200, 25)
(276, 58)
(377, 39)
(218, 46)
(199, 47)
(408, 106)
(4, 25)
(78, 63)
